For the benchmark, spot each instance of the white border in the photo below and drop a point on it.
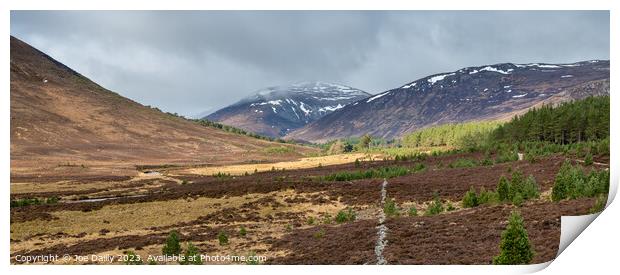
(595, 250)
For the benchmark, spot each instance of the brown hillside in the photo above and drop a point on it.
(60, 117)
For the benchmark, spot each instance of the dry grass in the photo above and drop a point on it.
(296, 164)
(127, 217)
(139, 216)
(136, 219)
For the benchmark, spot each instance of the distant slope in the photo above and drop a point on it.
(475, 93)
(275, 111)
(59, 116)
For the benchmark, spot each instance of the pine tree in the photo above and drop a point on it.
(172, 246)
(515, 245)
(503, 189)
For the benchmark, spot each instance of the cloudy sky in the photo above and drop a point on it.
(194, 62)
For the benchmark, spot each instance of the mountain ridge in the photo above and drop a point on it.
(473, 93)
(274, 111)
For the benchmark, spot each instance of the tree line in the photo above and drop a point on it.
(570, 122)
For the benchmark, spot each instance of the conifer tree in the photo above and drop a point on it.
(515, 245)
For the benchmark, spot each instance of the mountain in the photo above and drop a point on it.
(475, 93)
(58, 116)
(275, 111)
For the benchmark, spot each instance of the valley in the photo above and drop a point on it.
(102, 179)
(289, 216)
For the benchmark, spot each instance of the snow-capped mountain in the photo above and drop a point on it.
(275, 111)
(475, 93)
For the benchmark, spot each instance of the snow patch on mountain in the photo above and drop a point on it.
(303, 108)
(409, 85)
(377, 96)
(496, 70)
(331, 108)
(432, 80)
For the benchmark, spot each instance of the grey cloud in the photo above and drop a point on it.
(192, 61)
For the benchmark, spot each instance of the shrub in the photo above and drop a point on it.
(347, 216)
(172, 246)
(192, 255)
(530, 189)
(319, 234)
(33, 201)
(413, 211)
(518, 189)
(517, 181)
(506, 156)
(434, 208)
(327, 219)
(390, 208)
(463, 162)
(310, 221)
(487, 197)
(51, 200)
(470, 199)
(599, 204)
(588, 160)
(503, 189)
(222, 238)
(450, 207)
(242, 231)
(571, 182)
(383, 172)
(518, 199)
(515, 245)
(486, 162)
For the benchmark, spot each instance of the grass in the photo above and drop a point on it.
(463, 162)
(383, 172)
(122, 217)
(312, 162)
(33, 201)
(413, 212)
(279, 150)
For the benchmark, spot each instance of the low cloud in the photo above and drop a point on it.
(190, 62)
